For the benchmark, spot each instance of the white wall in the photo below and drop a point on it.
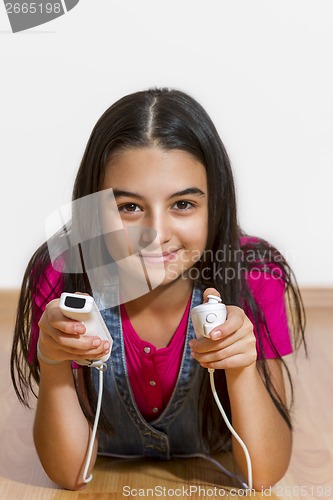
(263, 70)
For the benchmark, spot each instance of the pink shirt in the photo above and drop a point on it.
(48, 288)
(153, 372)
(269, 293)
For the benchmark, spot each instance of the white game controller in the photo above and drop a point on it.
(83, 308)
(208, 315)
(205, 317)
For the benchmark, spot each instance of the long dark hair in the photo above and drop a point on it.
(169, 119)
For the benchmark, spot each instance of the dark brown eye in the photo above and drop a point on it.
(183, 205)
(128, 207)
(131, 207)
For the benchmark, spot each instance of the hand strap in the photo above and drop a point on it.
(98, 363)
(46, 360)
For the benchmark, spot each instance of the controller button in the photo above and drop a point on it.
(146, 349)
(210, 318)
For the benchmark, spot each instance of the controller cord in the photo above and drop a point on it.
(232, 430)
(101, 367)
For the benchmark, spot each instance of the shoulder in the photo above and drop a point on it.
(264, 269)
(264, 249)
(265, 274)
(247, 240)
(48, 286)
(261, 259)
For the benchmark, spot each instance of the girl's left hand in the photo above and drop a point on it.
(231, 345)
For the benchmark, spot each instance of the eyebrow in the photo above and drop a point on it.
(184, 192)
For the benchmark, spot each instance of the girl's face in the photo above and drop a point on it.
(167, 192)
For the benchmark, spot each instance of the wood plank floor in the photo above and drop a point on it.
(312, 460)
(310, 474)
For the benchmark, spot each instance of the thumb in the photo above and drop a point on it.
(210, 291)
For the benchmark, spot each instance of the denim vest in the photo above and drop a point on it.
(176, 431)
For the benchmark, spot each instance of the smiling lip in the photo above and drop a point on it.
(159, 257)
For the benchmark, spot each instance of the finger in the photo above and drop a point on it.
(208, 345)
(235, 320)
(210, 291)
(220, 354)
(238, 329)
(77, 343)
(61, 324)
(238, 361)
(62, 346)
(53, 317)
(94, 353)
(244, 347)
(63, 333)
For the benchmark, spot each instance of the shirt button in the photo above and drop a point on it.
(146, 350)
(152, 382)
(155, 410)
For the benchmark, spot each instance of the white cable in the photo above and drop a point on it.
(101, 369)
(232, 430)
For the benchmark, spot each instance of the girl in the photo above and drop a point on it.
(160, 153)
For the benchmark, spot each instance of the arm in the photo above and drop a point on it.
(61, 431)
(258, 422)
(232, 347)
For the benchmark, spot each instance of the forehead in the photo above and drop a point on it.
(151, 166)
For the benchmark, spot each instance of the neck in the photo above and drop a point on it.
(164, 298)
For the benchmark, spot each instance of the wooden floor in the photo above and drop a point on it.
(310, 474)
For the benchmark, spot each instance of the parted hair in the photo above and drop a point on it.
(171, 119)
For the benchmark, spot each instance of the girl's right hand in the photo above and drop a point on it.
(62, 339)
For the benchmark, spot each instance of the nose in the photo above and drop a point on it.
(158, 226)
